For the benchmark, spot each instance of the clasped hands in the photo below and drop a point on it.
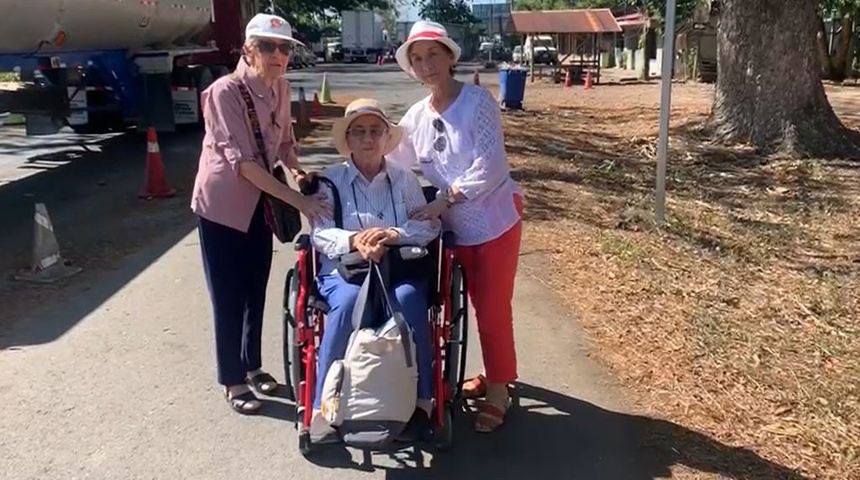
(372, 243)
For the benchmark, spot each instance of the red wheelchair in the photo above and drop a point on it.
(304, 323)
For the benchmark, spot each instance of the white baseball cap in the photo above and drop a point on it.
(425, 30)
(270, 26)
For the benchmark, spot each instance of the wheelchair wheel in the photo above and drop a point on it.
(445, 434)
(455, 357)
(305, 442)
(292, 350)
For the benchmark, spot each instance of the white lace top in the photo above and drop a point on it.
(466, 149)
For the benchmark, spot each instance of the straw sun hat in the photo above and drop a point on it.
(357, 108)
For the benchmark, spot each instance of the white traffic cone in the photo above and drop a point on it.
(48, 265)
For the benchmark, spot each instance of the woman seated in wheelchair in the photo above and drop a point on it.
(376, 199)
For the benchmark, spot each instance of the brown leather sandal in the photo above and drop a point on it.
(475, 387)
(491, 416)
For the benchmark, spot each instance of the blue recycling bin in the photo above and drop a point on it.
(512, 87)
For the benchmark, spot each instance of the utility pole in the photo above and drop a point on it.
(492, 40)
(665, 109)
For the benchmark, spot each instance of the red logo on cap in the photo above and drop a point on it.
(276, 23)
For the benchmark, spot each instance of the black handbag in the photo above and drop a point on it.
(284, 220)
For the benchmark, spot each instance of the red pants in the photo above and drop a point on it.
(490, 272)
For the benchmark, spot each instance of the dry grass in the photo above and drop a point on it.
(740, 318)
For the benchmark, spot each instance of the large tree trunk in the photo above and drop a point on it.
(823, 46)
(769, 90)
(836, 67)
(645, 68)
(841, 62)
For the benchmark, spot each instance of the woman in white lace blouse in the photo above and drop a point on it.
(455, 135)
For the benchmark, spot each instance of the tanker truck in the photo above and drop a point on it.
(110, 65)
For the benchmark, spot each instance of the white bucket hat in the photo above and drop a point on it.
(357, 108)
(425, 30)
(270, 26)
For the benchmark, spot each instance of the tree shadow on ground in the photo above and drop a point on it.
(551, 435)
(613, 172)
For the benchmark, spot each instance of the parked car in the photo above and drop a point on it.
(517, 55)
(302, 57)
(309, 58)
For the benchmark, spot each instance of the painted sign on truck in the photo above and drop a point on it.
(102, 66)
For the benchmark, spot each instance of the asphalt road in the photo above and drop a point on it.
(110, 375)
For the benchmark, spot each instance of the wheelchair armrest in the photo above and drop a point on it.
(413, 252)
(405, 252)
(429, 193)
(302, 243)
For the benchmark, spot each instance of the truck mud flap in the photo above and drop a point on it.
(156, 103)
(43, 125)
(33, 100)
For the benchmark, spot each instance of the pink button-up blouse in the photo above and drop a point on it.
(221, 194)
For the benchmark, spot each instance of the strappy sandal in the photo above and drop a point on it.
(263, 383)
(475, 387)
(244, 403)
(491, 416)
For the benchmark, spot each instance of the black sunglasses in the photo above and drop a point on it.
(266, 46)
(441, 142)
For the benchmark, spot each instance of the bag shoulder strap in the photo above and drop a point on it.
(372, 288)
(338, 208)
(255, 123)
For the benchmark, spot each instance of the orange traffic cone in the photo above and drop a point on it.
(155, 184)
(568, 82)
(588, 81)
(476, 79)
(304, 117)
(316, 108)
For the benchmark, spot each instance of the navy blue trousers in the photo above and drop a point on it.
(237, 267)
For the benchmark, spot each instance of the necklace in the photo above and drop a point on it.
(379, 212)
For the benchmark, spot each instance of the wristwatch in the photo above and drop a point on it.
(448, 195)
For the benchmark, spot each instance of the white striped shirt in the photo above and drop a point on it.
(383, 202)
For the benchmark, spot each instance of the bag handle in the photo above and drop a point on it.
(255, 124)
(364, 305)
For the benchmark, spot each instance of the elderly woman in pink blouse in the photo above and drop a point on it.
(235, 233)
(455, 134)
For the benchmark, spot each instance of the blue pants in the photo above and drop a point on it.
(237, 267)
(341, 295)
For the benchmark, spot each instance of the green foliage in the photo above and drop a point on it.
(313, 18)
(827, 7)
(446, 11)
(545, 4)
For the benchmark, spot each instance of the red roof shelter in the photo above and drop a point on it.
(596, 21)
(578, 33)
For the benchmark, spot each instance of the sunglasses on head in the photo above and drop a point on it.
(268, 46)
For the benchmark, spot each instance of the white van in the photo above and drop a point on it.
(544, 50)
